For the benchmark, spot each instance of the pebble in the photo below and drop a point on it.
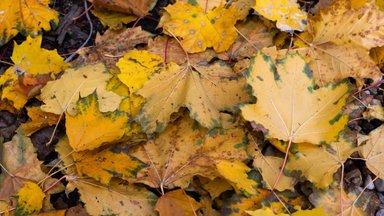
(379, 184)
(380, 212)
(368, 183)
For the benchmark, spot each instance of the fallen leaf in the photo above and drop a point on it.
(286, 13)
(199, 29)
(371, 148)
(171, 51)
(136, 67)
(30, 199)
(375, 111)
(318, 164)
(329, 200)
(242, 8)
(139, 8)
(112, 19)
(269, 212)
(39, 119)
(26, 16)
(112, 45)
(33, 68)
(257, 36)
(84, 131)
(204, 90)
(103, 164)
(62, 94)
(291, 108)
(269, 167)
(186, 149)
(116, 199)
(236, 173)
(215, 187)
(177, 202)
(333, 49)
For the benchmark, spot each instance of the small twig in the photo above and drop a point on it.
(89, 36)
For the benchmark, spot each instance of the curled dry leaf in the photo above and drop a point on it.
(26, 16)
(289, 106)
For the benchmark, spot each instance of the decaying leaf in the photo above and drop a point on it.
(62, 94)
(371, 148)
(116, 199)
(337, 52)
(200, 29)
(204, 90)
(103, 164)
(177, 202)
(374, 111)
(30, 199)
(26, 16)
(171, 51)
(186, 149)
(286, 13)
(289, 106)
(112, 45)
(90, 129)
(257, 36)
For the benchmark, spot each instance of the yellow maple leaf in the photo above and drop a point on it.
(337, 52)
(269, 166)
(113, 19)
(286, 13)
(198, 29)
(289, 106)
(186, 149)
(136, 67)
(116, 199)
(30, 199)
(62, 94)
(318, 164)
(33, 67)
(90, 129)
(371, 148)
(103, 164)
(204, 90)
(177, 202)
(25, 16)
(236, 173)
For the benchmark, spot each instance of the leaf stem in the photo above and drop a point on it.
(284, 163)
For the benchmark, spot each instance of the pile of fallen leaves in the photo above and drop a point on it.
(231, 110)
